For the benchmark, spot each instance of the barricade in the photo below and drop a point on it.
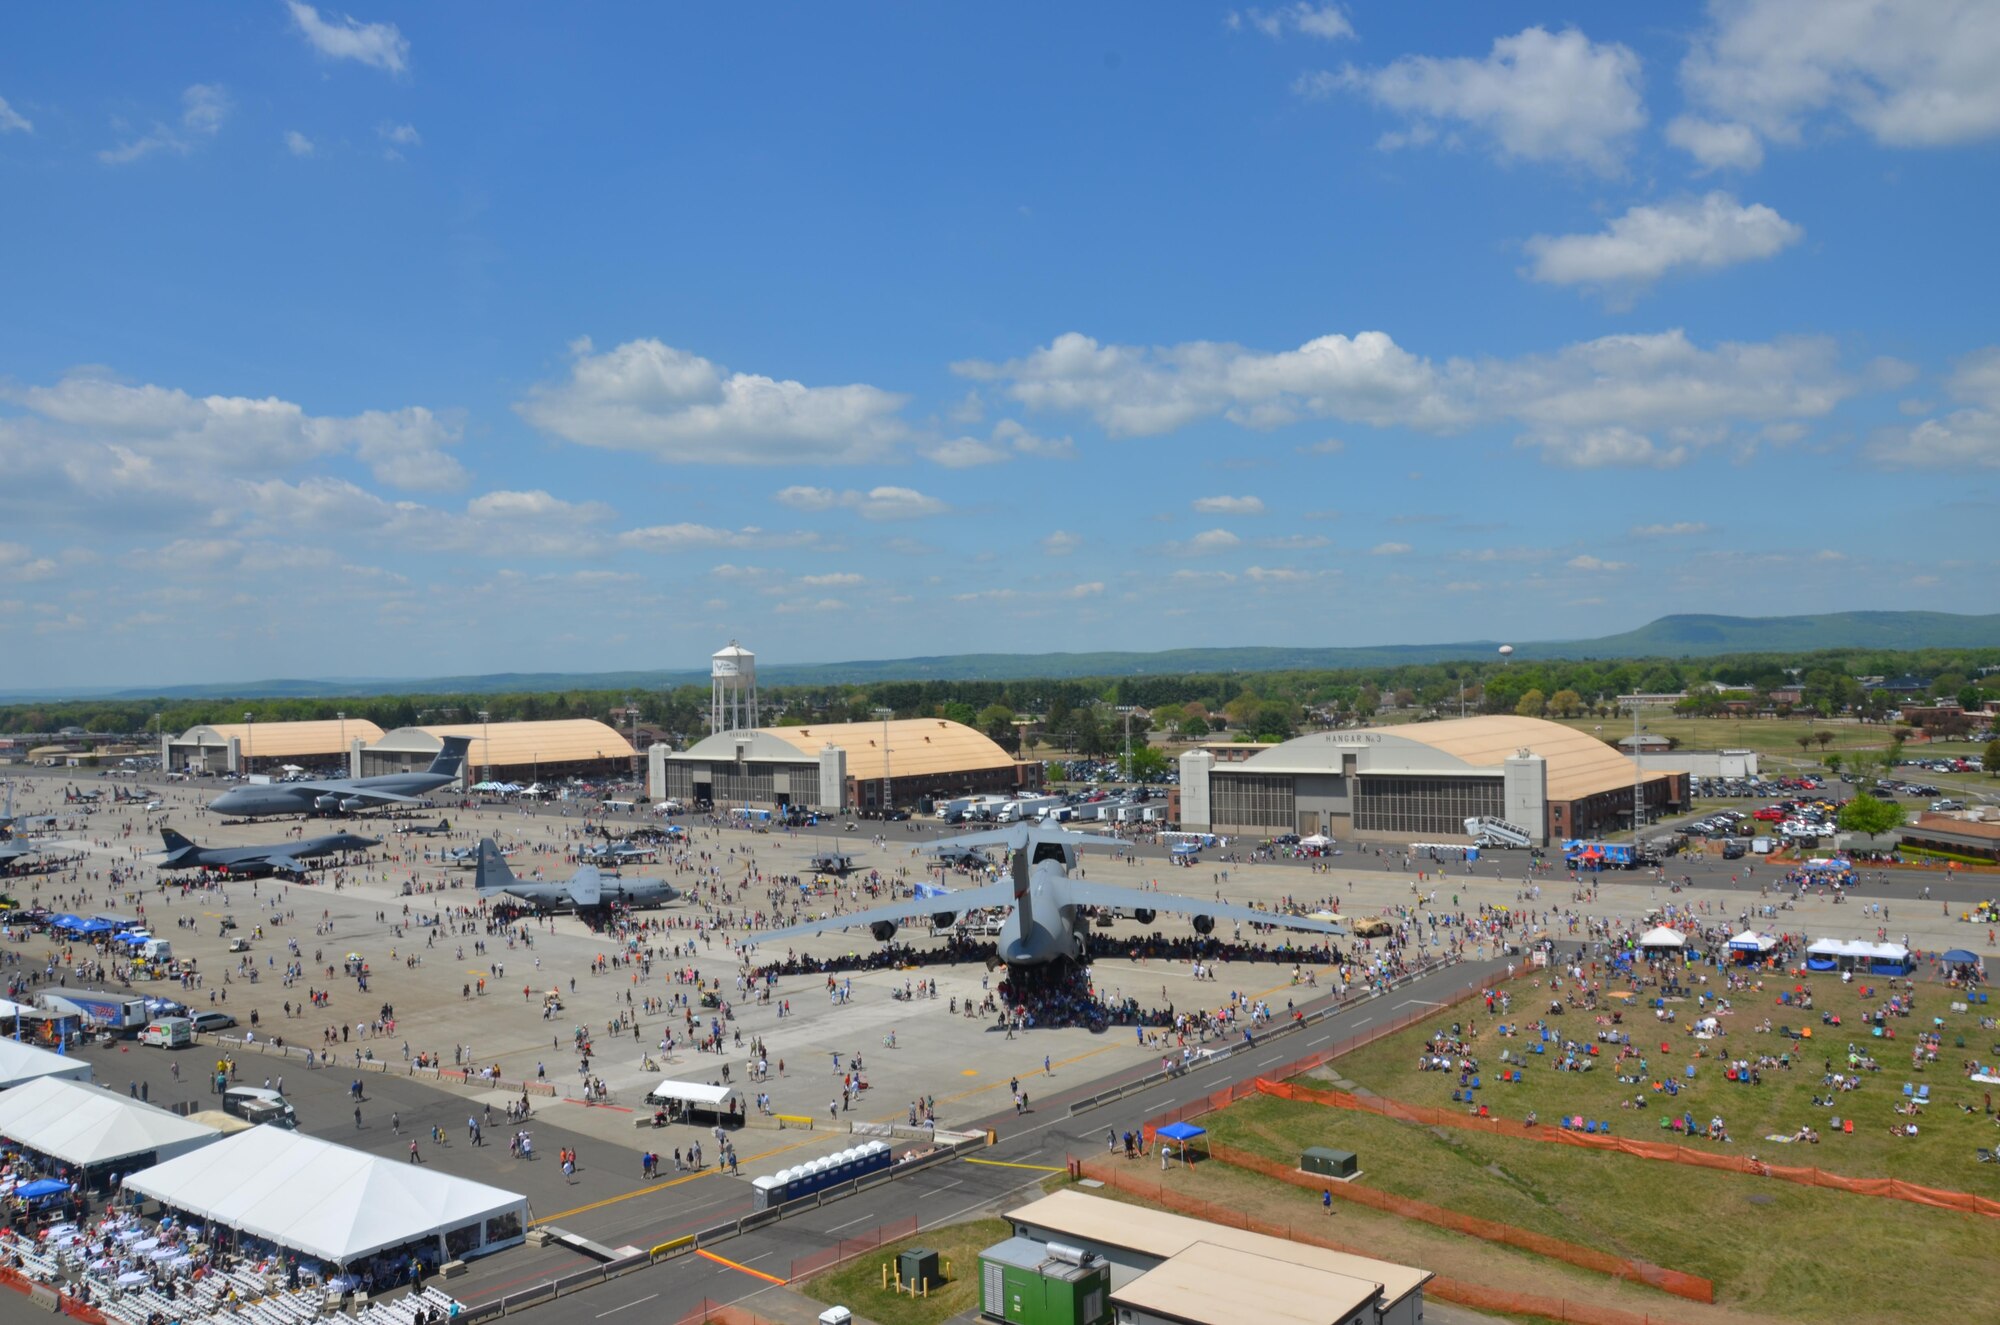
(1426, 1115)
(1443, 1287)
(69, 1306)
(722, 1314)
(848, 1248)
(1678, 1282)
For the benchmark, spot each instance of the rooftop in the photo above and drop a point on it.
(1214, 1285)
(916, 746)
(284, 740)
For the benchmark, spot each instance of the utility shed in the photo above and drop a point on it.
(1033, 1283)
(1211, 1285)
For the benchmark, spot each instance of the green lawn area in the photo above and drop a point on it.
(858, 1284)
(1770, 1247)
(1941, 1155)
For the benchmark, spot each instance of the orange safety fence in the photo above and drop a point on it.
(1889, 1188)
(848, 1248)
(1678, 1282)
(71, 1307)
(1440, 1286)
(721, 1313)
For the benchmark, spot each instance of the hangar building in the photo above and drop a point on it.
(235, 747)
(833, 767)
(508, 751)
(1422, 781)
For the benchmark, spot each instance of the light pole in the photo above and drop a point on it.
(885, 714)
(1126, 709)
(346, 756)
(249, 742)
(485, 746)
(632, 716)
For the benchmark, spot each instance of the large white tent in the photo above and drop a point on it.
(1662, 937)
(1751, 941)
(331, 1202)
(89, 1126)
(24, 1062)
(699, 1093)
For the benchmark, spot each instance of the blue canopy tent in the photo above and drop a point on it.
(93, 926)
(1959, 957)
(1183, 1133)
(131, 938)
(65, 921)
(42, 1192)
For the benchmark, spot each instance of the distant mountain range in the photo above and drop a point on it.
(1681, 636)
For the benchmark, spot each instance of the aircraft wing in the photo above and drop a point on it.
(1082, 892)
(17, 851)
(277, 860)
(376, 797)
(991, 894)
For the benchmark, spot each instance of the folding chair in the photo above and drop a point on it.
(1848, 1126)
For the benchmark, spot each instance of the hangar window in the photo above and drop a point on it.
(1253, 800)
(1426, 806)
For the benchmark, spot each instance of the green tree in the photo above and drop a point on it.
(1865, 814)
(1149, 763)
(1992, 758)
(1532, 704)
(1194, 726)
(1833, 762)
(1565, 703)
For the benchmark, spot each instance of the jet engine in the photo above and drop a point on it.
(943, 919)
(883, 930)
(328, 803)
(1204, 924)
(1143, 915)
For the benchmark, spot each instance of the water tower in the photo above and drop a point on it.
(732, 689)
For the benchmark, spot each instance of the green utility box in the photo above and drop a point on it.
(1024, 1282)
(1329, 1163)
(918, 1268)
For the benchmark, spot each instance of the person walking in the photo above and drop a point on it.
(415, 1158)
(357, 1117)
(1326, 1199)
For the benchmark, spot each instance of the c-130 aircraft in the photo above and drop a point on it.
(1047, 918)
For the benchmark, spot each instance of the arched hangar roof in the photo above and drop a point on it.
(556, 741)
(1578, 763)
(918, 747)
(282, 740)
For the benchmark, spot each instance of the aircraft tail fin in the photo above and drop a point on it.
(174, 841)
(1023, 871)
(492, 875)
(586, 887)
(451, 755)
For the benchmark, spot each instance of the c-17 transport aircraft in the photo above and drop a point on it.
(1046, 921)
(585, 890)
(328, 795)
(185, 855)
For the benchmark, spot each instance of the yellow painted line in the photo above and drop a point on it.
(737, 1265)
(1006, 1164)
(970, 1072)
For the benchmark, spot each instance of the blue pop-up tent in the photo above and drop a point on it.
(1183, 1133)
(92, 926)
(1959, 957)
(41, 1189)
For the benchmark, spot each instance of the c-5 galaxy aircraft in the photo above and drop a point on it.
(185, 855)
(14, 823)
(585, 890)
(349, 794)
(1046, 922)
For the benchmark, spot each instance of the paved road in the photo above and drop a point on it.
(954, 1192)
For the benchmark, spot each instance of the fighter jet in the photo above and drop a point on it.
(437, 829)
(349, 794)
(1047, 920)
(832, 862)
(12, 853)
(618, 853)
(185, 855)
(586, 890)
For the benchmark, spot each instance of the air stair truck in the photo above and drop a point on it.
(121, 1014)
(1487, 831)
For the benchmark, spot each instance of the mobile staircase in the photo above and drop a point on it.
(1489, 831)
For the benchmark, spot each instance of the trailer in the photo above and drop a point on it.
(1583, 854)
(121, 1014)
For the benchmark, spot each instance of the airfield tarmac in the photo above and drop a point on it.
(965, 1064)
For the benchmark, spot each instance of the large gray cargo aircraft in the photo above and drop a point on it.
(1048, 917)
(586, 890)
(333, 795)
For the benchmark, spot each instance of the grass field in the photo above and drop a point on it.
(858, 1284)
(1941, 1155)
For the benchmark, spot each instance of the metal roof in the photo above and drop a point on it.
(1223, 1285)
(283, 740)
(917, 746)
(516, 744)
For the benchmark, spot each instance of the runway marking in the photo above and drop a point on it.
(615, 1310)
(970, 1072)
(850, 1223)
(591, 1104)
(921, 1196)
(1008, 1164)
(1425, 1002)
(660, 1186)
(738, 1265)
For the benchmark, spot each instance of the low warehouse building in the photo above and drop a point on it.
(831, 767)
(1423, 780)
(508, 751)
(243, 747)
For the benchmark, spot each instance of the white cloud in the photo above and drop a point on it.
(1976, 378)
(1009, 432)
(1327, 22)
(832, 580)
(398, 136)
(1390, 550)
(882, 503)
(1908, 75)
(297, 143)
(1967, 438)
(379, 45)
(810, 605)
(677, 537)
(1090, 590)
(965, 453)
(1539, 96)
(204, 106)
(676, 406)
(1716, 146)
(1208, 541)
(1294, 542)
(12, 121)
(726, 571)
(19, 564)
(1600, 448)
(1229, 505)
(1331, 446)
(1590, 563)
(1645, 243)
(1678, 529)
(1278, 574)
(1061, 543)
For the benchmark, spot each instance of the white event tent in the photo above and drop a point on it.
(90, 1127)
(1751, 941)
(24, 1062)
(1662, 937)
(331, 1202)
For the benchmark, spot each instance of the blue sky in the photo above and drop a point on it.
(439, 339)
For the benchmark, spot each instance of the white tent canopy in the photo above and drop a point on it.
(24, 1062)
(1316, 840)
(698, 1093)
(1751, 941)
(1894, 952)
(88, 1126)
(329, 1201)
(1662, 937)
